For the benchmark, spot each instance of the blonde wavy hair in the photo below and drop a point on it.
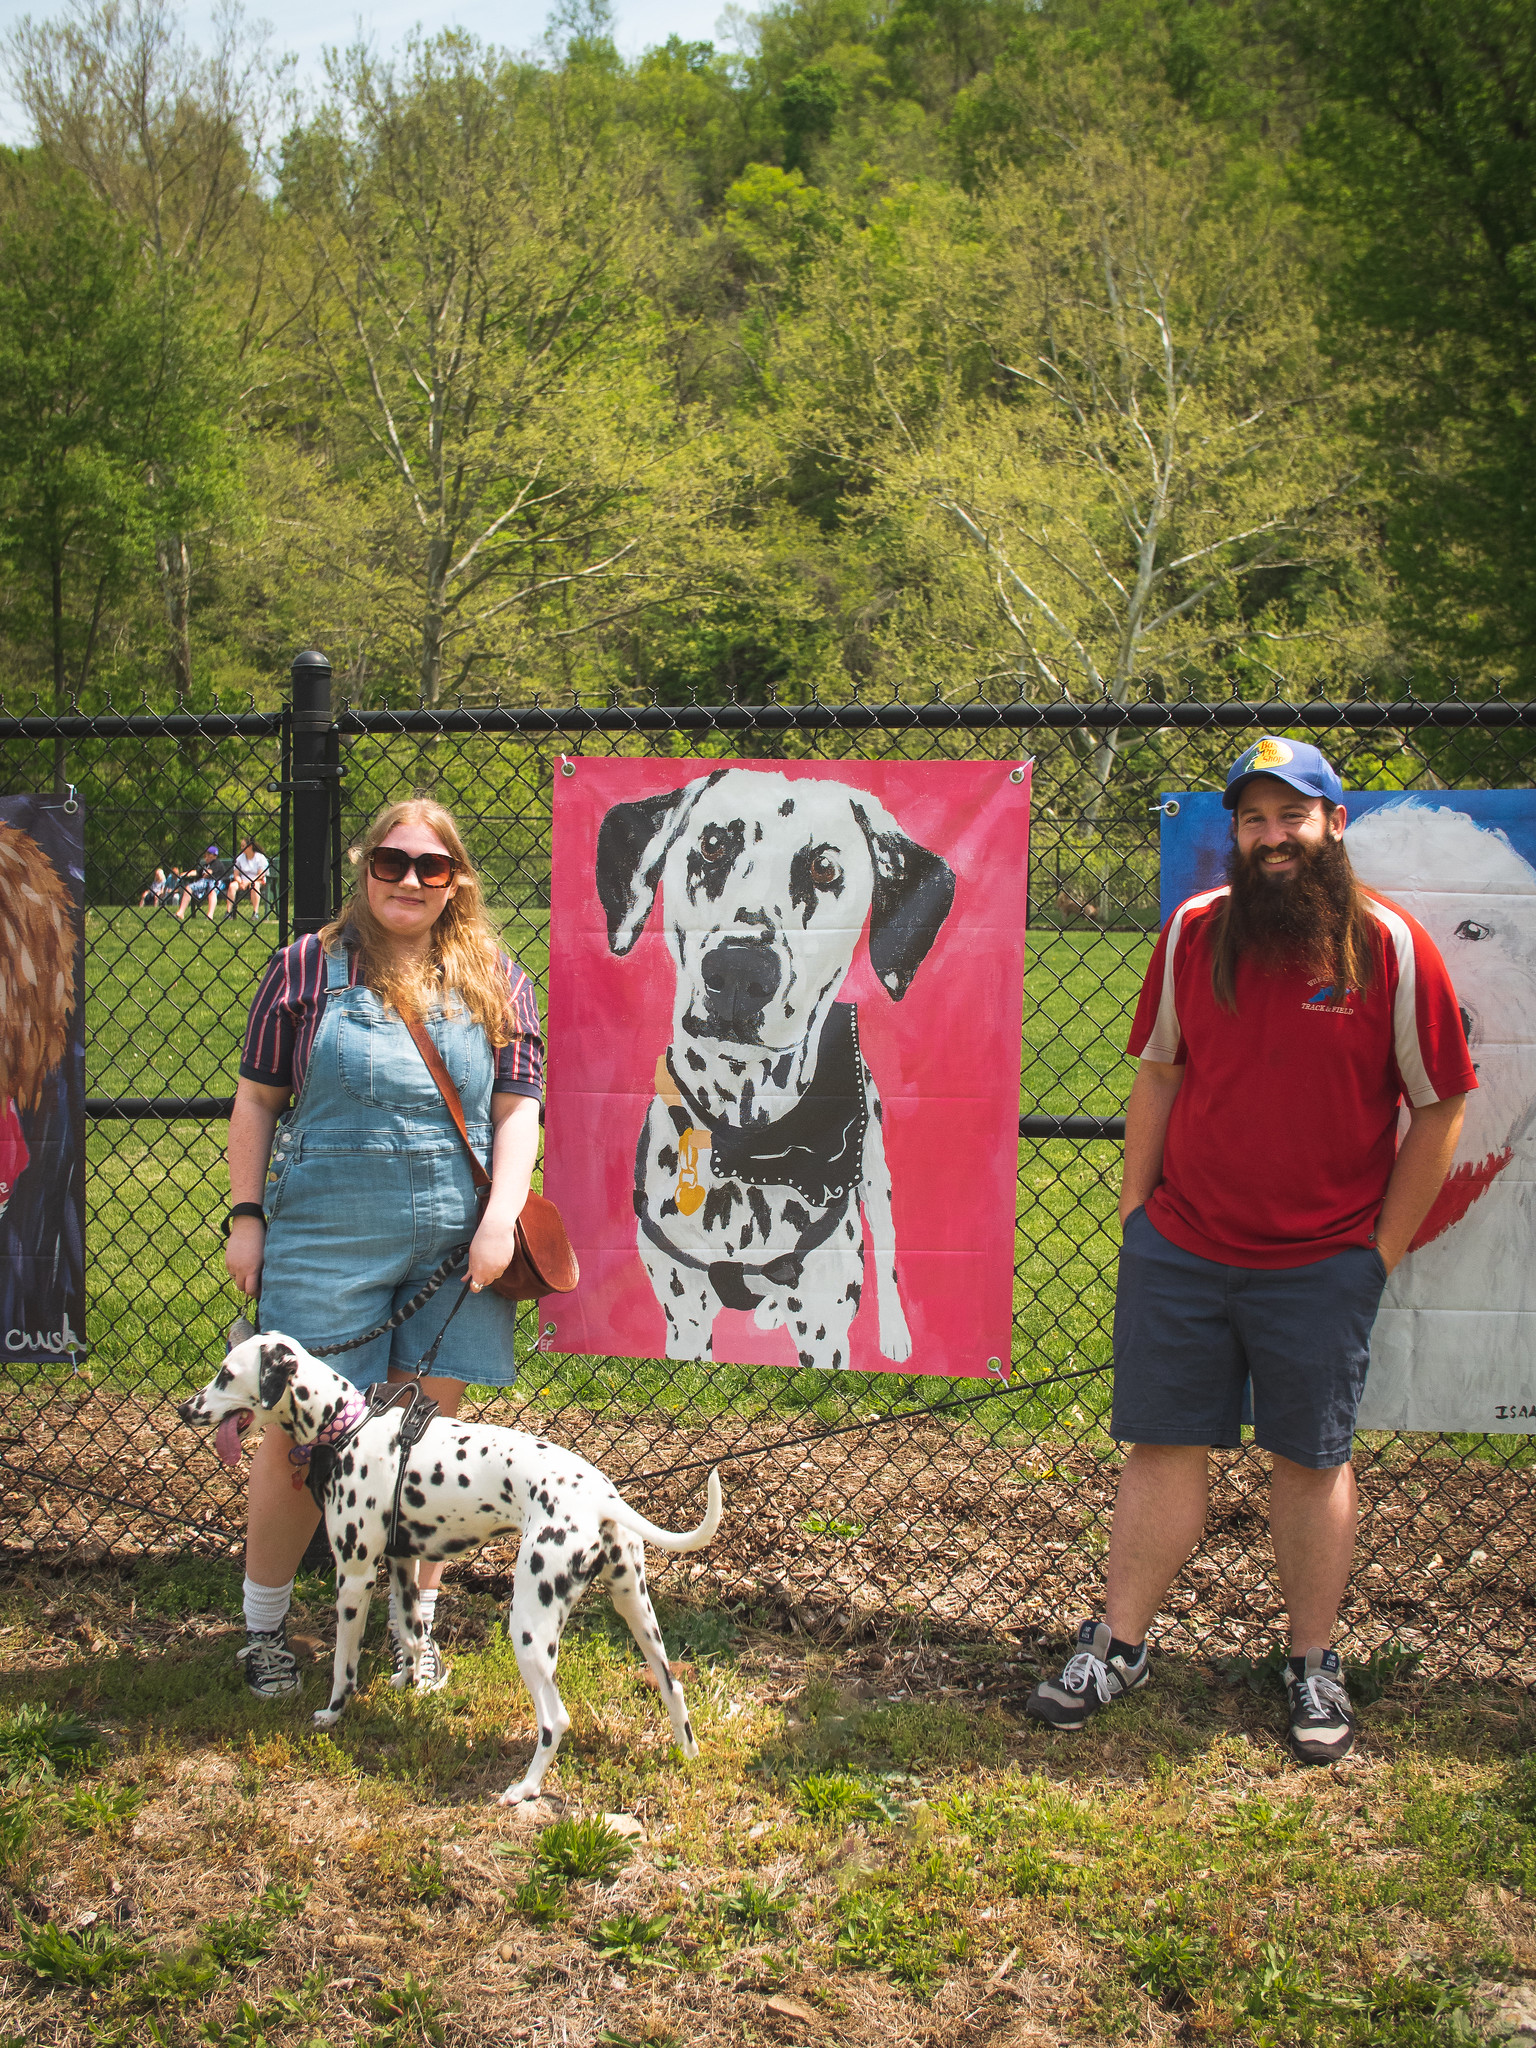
(463, 960)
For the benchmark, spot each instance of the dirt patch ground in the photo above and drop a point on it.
(915, 1523)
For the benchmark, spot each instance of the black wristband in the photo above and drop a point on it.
(244, 1209)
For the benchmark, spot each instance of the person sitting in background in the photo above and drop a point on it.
(205, 884)
(249, 878)
(154, 890)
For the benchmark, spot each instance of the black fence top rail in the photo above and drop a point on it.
(1360, 714)
(576, 719)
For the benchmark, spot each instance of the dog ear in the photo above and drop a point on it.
(276, 1375)
(633, 842)
(913, 892)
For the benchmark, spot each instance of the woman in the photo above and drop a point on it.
(367, 1185)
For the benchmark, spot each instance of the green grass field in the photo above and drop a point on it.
(165, 1013)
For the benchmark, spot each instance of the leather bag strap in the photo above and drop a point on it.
(449, 1093)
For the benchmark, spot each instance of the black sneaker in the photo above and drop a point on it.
(433, 1673)
(271, 1669)
(1090, 1679)
(1322, 1720)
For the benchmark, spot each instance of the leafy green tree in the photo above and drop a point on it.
(1094, 408)
(1422, 166)
(105, 436)
(471, 317)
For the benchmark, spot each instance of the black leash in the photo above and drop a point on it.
(435, 1280)
(796, 1443)
(420, 1408)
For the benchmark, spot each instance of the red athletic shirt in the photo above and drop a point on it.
(1284, 1132)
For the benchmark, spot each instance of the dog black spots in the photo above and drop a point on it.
(527, 1640)
(794, 1304)
(806, 1358)
(687, 1728)
(718, 1204)
(762, 1215)
(350, 1613)
(796, 1215)
(677, 1282)
(347, 1465)
(821, 1334)
(668, 1208)
(463, 1479)
(416, 1497)
(552, 1649)
(535, 1564)
(879, 1111)
(666, 1159)
(562, 1585)
(787, 808)
(546, 1592)
(695, 1060)
(852, 1291)
(414, 1478)
(437, 1473)
(352, 1497)
(546, 1737)
(462, 1456)
(618, 1570)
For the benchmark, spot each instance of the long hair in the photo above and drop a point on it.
(463, 959)
(37, 966)
(1324, 922)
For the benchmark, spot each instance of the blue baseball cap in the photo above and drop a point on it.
(1304, 767)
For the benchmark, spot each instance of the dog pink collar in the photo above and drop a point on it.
(351, 1412)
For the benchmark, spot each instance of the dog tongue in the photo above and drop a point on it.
(226, 1439)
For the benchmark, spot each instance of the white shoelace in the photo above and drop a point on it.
(1319, 1689)
(1084, 1670)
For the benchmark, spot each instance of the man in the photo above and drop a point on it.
(205, 884)
(1265, 1200)
(248, 878)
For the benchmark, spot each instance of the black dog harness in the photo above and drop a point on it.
(420, 1409)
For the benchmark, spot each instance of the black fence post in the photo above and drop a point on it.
(313, 791)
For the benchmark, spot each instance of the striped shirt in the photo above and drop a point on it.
(1283, 1134)
(291, 1001)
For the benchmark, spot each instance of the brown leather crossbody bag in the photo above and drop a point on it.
(543, 1262)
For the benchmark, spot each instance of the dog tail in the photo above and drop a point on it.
(668, 1539)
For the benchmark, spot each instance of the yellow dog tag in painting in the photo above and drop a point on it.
(690, 1195)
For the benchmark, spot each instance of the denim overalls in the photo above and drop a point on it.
(370, 1188)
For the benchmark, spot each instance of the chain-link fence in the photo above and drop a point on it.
(852, 1502)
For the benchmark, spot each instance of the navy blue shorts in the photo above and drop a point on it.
(1189, 1333)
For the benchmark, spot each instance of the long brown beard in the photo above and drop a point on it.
(1312, 922)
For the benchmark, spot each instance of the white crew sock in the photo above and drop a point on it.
(266, 1607)
(426, 1602)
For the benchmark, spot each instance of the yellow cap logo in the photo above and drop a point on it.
(1271, 754)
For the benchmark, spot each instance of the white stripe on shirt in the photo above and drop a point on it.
(1417, 1085)
(1163, 1041)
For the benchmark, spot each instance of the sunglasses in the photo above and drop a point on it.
(393, 864)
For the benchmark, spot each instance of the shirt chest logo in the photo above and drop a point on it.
(1331, 1000)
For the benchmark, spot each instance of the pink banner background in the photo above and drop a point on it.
(945, 1060)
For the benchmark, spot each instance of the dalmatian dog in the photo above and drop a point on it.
(465, 1484)
(764, 1138)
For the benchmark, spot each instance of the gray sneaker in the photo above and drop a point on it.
(1322, 1719)
(433, 1674)
(271, 1669)
(1090, 1679)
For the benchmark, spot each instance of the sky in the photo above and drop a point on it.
(305, 29)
